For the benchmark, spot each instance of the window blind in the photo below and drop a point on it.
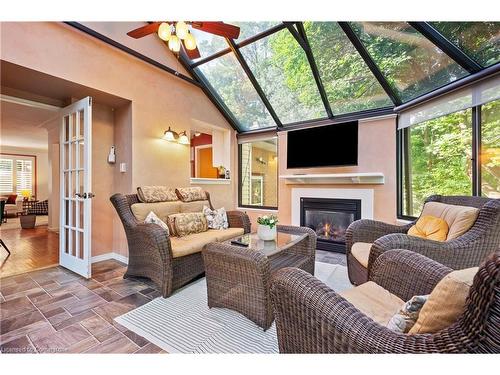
(24, 175)
(6, 176)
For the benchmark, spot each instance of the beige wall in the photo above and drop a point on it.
(42, 167)
(377, 153)
(157, 100)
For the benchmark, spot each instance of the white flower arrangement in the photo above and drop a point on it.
(268, 220)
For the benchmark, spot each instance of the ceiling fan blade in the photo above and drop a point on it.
(218, 28)
(144, 30)
(192, 53)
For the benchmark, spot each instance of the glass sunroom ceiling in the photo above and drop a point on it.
(349, 83)
(411, 63)
(232, 85)
(249, 29)
(207, 43)
(281, 68)
(479, 40)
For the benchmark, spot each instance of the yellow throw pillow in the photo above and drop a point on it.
(445, 303)
(430, 227)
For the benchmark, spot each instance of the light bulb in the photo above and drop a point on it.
(164, 31)
(190, 42)
(174, 43)
(183, 138)
(169, 135)
(181, 29)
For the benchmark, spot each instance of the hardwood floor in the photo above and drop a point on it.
(56, 311)
(31, 249)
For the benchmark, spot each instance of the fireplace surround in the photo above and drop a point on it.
(329, 218)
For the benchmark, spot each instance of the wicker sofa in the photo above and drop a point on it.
(467, 250)
(312, 318)
(170, 262)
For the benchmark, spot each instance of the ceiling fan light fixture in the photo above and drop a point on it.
(174, 43)
(181, 29)
(164, 31)
(190, 42)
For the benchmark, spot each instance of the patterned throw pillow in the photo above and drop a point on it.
(406, 318)
(152, 218)
(216, 219)
(191, 194)
(187, 223)
(151, 194)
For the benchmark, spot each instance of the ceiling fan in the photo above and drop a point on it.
(177, 33)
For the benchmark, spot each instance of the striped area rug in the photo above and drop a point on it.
(183, 323)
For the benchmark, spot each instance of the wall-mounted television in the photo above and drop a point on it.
(323, 146)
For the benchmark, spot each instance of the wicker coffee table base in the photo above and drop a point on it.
(238, 277)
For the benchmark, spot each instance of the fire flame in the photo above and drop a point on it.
(327, 229)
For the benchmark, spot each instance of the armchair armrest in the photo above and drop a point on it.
(312, 318)
(239, 219)
(366, 230)
(406, 274)
(149, 237)
(455, 254)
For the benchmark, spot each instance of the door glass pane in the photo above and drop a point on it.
(74, 132)
(73, 242)
(411, 63)
(259, 173)
(82, 124)
(66, 212)
(66, 128)
(80, 245)
(73, 149)
(490, 149)
(349, 83)
(73, 213)
(231, 84)
(81, 222)
(284, 74)
(66, 184)
(66, 241)
(73, 184)
(66, 156)
(479, 40)
(439, 160)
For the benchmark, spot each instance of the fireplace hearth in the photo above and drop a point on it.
(329, 218)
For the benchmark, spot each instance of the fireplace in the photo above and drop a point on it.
(329, 218)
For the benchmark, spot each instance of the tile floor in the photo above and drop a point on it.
(55, 311)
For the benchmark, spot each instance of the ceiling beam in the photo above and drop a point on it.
(446, 46)
(132, 52)
(254, 81)
(393, 95)
(300, 34)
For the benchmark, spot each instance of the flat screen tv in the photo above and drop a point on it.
(324, 146)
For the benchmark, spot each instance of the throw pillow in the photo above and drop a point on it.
(405, 318)
(430, 227)
(152, 218)
(216, 219)
(11, 199)
(187, 223)
(446, 302)
(151, 194)
(191, 194)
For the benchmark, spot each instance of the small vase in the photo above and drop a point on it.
(266, 233)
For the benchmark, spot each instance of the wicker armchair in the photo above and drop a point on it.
(312, 318)
(465, 251)
(150, 250)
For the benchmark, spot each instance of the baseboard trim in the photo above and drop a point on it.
(108, 256)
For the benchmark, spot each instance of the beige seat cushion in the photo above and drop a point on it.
(361, 251)
(193, 243)
(374, 301)
(446, 302)
(161, 209)
(459, 218)
(195, 206)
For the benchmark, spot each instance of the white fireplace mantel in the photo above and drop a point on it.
(371, 178)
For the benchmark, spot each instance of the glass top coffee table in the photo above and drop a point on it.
(238, 277)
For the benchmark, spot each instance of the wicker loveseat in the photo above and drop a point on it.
(467, 250)
(312, 318)
(170, 262)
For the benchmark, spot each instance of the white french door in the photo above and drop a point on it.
(76, 184)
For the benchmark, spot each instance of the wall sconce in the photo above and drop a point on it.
(172, 136)
(183, 138)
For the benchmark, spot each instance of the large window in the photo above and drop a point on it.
(438, 157)
(258, 180)
(17, 174)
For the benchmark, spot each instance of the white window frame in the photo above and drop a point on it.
(15, 158)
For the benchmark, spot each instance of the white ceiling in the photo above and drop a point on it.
(20, 126)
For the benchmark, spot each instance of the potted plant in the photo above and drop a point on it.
(266, 229)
